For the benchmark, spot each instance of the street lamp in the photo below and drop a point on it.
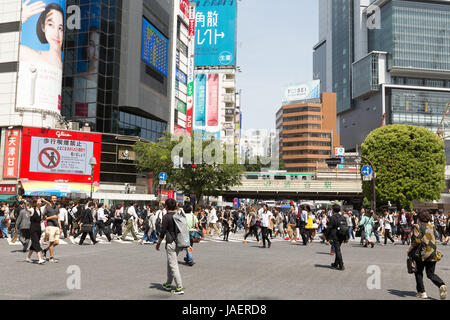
(374, 175)
(92, 163)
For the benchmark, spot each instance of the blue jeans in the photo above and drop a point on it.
(189, 256)
(375, 232)
(145, 237)
(350, 233)
(153, 237)
(3, 227)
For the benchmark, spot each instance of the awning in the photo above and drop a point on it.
(124, 196)
(7, 197)
(63, 190)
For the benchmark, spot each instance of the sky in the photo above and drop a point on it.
(275, 42)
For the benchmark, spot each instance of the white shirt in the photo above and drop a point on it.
(212, 216)
(404, 221)
(63, 214)
(387, 222)
(132, 212)
(265, 218)
(101, 214)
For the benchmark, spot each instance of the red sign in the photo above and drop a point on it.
(8, 189)
(11, 154)
(59, 155)
(168, 193)
(191, 27)
(189, 120)
(184, 7)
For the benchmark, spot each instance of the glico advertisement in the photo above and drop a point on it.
(40, 55)
(57, 155)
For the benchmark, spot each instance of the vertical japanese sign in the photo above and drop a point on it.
(190, 75)
(213, 100)
(215, 33)
(11, 154)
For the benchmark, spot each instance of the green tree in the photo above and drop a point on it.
(206, 179)
(409, 162)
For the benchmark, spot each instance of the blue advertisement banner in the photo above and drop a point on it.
(155, 48)
(200, 100)
(302, 91)
(215, 43)
(181, 77)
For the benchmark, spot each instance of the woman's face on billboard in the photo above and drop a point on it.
(54, 29)
(93, 46)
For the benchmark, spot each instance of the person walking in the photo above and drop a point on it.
(253, 228)
(168, 232)
(86, 224)
(117, 221)
(266, 217)
(192, 224)
(23, 225)
(425, 254)
(64, 218)
(227, 221)
(129, 219)
(388, 220)
(53, 229)
(367, 224)
(212, 220)
(3, 221)
(334, 236)
(101, 220)
(292, 224)
(36, 216)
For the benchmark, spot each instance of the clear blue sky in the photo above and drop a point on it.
(274, 49)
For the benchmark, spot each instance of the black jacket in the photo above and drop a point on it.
(333, 224)
(86, 217)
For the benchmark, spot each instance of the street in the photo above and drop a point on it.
(223, 271)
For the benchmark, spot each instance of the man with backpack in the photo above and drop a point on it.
(175, 230)
(337, 232)
(130, 219)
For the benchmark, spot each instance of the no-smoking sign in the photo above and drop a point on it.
(49, 158)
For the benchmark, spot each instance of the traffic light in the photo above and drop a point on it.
(190, 166)
(333, 162)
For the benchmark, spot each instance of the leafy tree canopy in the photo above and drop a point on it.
(409, 162)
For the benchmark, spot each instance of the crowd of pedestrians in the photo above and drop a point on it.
(38, 221)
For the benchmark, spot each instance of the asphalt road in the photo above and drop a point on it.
(223, 271)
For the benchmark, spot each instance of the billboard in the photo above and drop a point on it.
(302, 91)
(87, 65)
(206, 105)
(40, 55)
(190, 75)
(56, 155)
(215, 43)
(155, 48)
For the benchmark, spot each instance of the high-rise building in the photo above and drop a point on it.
(307, 132)
(388, 62)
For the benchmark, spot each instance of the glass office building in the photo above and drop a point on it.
(91, 78)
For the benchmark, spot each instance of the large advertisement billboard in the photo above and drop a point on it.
(302, 91)
(155, 48)
(57, 155)
(206, 105)
(215, 43)
(40, 55)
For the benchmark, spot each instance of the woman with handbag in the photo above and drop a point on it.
(425, 254)
(35, 213)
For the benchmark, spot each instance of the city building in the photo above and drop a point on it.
(116, 80)
(388, 62)
(307, 132)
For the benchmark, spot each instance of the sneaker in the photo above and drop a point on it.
(28, 259)
(72, 240)
(167, 286)
(286, 238)
(293, 241)
(341, 268)
(422, 295)
(443, 292)
(178, 291)
(191, 263)
(334, 266)
(41, 261)
(53, 260)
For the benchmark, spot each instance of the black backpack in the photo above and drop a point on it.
(342, 228)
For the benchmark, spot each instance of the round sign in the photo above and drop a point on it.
(366, 170)
(162, 176)
(49, 158)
